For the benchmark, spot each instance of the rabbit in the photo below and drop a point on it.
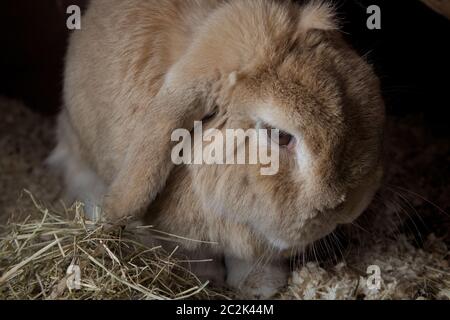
(140, 69)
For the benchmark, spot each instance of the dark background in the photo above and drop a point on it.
(410, 53)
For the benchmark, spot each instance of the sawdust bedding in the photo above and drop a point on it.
(405, 233)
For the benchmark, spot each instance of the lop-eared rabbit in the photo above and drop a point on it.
(139, 69)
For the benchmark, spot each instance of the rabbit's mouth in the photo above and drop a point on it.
(321, 224)
(278, 243)
(359, 199)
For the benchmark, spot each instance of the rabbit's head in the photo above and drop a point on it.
(300, 77)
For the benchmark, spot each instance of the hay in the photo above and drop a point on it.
(38, 254)
(39, 257)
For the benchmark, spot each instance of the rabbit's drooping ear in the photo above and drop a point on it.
(183, 98)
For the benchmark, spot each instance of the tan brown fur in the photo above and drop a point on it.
(140, 69)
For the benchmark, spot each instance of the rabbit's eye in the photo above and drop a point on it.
(285, 139)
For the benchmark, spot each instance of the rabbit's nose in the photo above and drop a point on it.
(334, 203)
(339, 205)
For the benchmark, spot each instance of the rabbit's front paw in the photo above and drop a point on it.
(118, 209)
(255, 280)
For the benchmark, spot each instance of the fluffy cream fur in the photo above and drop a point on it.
(140, 69)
